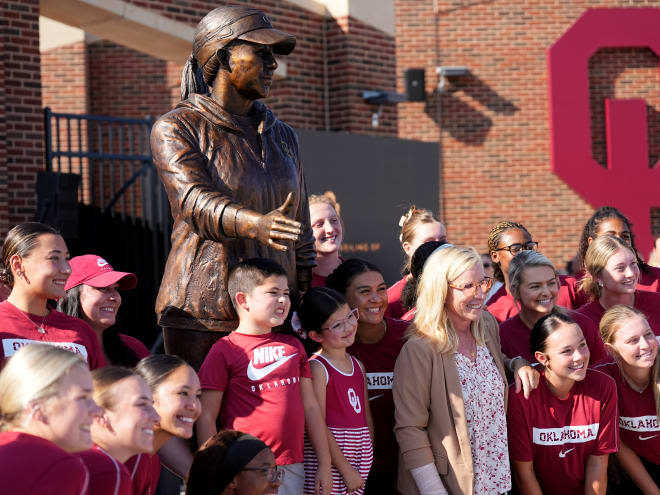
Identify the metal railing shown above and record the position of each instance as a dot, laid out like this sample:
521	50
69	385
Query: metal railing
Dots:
112	155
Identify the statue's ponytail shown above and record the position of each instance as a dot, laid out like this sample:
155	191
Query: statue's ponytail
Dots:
191	79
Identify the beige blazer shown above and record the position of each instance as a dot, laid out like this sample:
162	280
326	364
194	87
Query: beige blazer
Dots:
430	414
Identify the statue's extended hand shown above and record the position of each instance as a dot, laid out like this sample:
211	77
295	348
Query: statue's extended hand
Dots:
276	226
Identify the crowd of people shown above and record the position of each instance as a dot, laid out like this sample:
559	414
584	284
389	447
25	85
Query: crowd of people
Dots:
474	374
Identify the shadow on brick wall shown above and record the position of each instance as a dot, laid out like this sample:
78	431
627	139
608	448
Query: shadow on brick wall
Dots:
461	113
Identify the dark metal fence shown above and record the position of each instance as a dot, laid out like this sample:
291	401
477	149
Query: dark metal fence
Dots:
123	213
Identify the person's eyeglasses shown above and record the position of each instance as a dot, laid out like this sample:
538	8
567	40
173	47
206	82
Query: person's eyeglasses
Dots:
339	327
516	248
471	288
272	474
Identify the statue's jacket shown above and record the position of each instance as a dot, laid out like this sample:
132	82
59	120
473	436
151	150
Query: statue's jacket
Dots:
209	169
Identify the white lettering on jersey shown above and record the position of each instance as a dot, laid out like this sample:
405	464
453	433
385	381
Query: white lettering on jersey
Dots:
354	400
567	434
268	354
10	346
639	423
256	374
380	381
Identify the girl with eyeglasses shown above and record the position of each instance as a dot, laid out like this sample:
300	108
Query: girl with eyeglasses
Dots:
340	387
378	341
607	220
506	240
561	436
534	285
636	371
450	387
611	277
234	463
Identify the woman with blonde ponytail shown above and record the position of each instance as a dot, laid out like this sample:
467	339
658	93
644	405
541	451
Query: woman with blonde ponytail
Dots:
46	411
636	371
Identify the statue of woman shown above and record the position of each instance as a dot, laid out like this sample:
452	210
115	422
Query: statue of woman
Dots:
233	176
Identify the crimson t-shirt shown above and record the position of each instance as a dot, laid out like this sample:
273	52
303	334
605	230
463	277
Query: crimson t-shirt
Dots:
138	348
107	476
18	328
259	376
378	360
145	473
514	336
648	281
36	466
558	436
646	302
638	420
395	307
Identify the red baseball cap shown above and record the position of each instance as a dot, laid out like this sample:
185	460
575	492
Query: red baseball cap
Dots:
93	270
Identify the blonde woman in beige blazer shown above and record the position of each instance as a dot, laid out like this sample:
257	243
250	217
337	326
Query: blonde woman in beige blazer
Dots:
453	350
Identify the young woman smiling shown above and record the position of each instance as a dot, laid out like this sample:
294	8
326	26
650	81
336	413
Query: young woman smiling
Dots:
35	264
176	392
505	241
125	429
607	220
561	436
636	371
92	294
418	226
611	278
377	344
46	411
534	285
328	232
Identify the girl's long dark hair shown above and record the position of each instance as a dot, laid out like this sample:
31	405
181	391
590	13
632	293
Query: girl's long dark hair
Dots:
119	354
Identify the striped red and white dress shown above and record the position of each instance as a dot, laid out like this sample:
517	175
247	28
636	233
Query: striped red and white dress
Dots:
346	418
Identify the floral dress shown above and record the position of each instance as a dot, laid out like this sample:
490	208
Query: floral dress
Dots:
483	395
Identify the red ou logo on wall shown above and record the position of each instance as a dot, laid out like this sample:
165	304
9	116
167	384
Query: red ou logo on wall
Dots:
629	182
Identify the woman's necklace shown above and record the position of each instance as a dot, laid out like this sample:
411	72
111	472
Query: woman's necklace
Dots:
471	350
40	328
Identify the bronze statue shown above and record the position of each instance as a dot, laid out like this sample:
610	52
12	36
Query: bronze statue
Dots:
233	176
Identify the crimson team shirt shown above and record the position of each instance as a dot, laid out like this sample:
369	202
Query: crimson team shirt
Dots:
514	336
395	307
61	330
35	466
638	421
646	302
107	476
144	470
259	376
648	281
378	360
558	436
502	305
138	348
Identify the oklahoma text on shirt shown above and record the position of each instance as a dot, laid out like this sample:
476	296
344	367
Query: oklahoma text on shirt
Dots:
567	434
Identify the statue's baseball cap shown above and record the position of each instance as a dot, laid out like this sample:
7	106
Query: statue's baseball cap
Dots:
93	270
226	24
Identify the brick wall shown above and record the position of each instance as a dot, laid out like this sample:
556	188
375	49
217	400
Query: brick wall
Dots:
123	82
64	78
21	106
494	122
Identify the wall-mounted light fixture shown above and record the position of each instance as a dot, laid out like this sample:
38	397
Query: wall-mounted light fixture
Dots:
380	98
446	72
